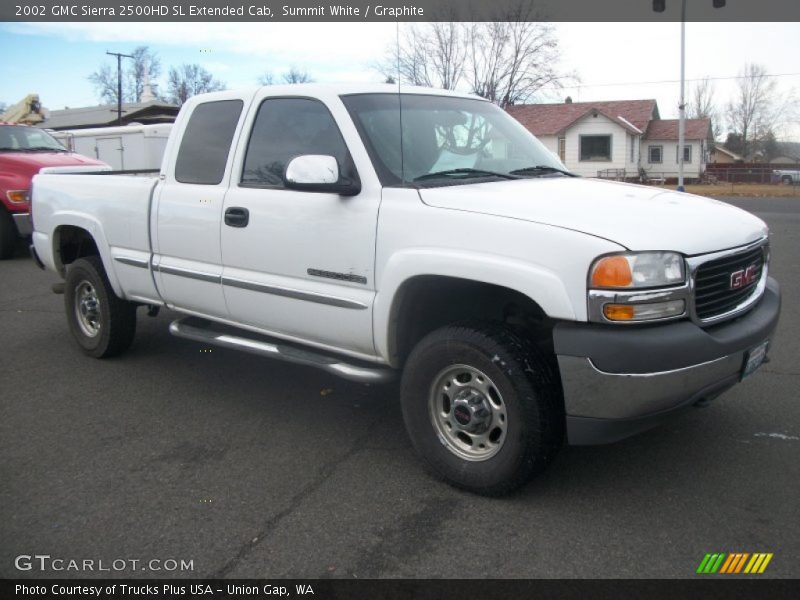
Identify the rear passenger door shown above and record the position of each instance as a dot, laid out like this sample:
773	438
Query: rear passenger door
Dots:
186	220
302	266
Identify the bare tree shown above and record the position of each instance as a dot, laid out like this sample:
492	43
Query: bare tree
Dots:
430	54
507	60
701	103
702	106
104	79
143	61
187	80
266	79
295	75
753	110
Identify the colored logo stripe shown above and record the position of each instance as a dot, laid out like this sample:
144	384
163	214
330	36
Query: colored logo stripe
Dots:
734	563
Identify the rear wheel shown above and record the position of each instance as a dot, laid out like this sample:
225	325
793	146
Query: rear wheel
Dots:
787	179
8	235
102	323
482	407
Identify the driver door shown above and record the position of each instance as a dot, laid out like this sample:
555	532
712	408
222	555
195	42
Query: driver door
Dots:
298	264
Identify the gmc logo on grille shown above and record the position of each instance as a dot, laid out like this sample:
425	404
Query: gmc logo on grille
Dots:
743	277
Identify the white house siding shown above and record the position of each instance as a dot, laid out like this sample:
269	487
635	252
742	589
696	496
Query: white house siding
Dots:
669	166
551	141
598	125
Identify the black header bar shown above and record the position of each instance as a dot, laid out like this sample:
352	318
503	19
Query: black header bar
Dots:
396	10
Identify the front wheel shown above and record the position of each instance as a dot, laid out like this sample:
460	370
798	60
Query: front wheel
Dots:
787	179
102	323
482	407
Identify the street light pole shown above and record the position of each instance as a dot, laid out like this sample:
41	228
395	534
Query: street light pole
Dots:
119	82
660	6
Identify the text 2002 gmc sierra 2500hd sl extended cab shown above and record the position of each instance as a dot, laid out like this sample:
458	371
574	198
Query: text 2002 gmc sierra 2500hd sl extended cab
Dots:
520	303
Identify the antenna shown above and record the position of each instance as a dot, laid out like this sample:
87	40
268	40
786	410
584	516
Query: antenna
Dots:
400	108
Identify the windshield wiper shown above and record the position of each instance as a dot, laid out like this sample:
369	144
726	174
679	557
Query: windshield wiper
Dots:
540	169
43	149
465	173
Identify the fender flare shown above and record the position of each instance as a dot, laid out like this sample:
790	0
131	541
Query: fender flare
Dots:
539	284
93	227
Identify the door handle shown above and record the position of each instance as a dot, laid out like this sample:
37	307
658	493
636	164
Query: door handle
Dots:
236	216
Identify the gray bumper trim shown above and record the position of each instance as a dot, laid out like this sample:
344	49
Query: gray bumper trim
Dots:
24	223
589	392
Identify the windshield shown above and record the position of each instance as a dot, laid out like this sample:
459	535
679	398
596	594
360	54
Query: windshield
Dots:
17	138
446	140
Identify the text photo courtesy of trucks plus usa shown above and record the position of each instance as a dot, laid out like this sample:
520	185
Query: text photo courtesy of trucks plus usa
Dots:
379	320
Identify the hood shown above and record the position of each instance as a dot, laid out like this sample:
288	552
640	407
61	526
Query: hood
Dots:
28	163
634	216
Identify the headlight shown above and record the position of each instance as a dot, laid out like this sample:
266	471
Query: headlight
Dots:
637	287
637	270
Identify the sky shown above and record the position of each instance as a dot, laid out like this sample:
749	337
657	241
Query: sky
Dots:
55	59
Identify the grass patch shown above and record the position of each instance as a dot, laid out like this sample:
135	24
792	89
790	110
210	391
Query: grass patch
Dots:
749	190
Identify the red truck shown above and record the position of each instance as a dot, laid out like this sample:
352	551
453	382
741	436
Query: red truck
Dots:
24	151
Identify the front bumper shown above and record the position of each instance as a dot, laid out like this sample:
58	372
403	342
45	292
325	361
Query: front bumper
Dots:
620	381
23	223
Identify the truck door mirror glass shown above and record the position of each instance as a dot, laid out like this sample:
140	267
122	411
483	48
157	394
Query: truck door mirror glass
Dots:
318	173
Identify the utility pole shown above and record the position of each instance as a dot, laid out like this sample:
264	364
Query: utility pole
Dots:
119	82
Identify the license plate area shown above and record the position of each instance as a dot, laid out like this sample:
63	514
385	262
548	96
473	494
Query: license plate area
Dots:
754	358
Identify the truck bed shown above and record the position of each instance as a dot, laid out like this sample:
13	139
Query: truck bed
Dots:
121	203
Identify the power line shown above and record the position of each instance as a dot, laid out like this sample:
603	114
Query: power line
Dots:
582	85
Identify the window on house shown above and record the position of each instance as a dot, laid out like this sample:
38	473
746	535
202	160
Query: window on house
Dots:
687	154
562	149
596	148
633	149
655	154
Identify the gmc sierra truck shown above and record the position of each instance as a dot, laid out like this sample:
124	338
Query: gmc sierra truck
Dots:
379	233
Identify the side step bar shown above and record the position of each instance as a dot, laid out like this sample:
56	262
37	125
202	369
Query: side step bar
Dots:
208	332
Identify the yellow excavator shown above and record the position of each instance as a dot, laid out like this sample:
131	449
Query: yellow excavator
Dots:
27	111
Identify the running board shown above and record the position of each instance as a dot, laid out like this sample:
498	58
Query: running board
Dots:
208	332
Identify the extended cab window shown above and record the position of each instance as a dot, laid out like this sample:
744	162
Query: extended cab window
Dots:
288	127
207	141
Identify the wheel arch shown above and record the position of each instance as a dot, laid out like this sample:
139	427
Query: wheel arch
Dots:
73	239
414	300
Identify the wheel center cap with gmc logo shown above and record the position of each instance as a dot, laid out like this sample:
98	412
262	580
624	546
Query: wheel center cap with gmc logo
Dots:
471	411
462	414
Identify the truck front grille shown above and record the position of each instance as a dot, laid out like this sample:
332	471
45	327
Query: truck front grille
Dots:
715	281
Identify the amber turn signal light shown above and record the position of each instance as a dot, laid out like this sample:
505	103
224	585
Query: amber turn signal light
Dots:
17	196
619	312
612	271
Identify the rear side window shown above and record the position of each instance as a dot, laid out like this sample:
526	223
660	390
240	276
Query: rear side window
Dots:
288	127
207	142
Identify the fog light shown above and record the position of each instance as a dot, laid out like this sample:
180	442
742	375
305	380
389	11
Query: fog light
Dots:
644	312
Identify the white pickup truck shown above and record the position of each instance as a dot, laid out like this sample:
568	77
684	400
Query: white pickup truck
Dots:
425	234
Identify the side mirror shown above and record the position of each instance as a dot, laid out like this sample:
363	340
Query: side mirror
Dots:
318	173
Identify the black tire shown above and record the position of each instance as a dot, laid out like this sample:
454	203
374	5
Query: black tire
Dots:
525	385
787	179
8	235
115	319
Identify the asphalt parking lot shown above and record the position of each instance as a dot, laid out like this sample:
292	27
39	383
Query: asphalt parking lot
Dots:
253	468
